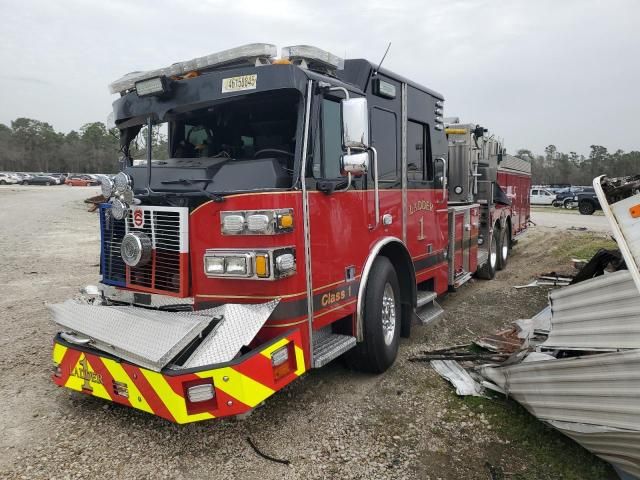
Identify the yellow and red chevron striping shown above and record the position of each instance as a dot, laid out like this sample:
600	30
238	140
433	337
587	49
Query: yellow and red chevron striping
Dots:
239	386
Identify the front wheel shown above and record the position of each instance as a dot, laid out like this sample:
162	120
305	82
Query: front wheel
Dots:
585	207
2	182
381	320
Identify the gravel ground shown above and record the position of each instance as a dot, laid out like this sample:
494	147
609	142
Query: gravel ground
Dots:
551	217
406	423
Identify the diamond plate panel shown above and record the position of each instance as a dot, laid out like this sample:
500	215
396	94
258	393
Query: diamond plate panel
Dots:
148	338
238	328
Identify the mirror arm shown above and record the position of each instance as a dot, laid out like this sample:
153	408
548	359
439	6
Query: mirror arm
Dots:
341	89
348	184
375	188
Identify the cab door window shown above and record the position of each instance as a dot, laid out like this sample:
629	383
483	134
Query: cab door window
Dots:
419	159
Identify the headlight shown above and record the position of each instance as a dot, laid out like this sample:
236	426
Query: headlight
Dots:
285	264
258	223
228	264
237	265
232	224
106	185
258	265
121	182
119	209
261	222
214	265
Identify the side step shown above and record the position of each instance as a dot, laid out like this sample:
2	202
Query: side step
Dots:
327	346
428	310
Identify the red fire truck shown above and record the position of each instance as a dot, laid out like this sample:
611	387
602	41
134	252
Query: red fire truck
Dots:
295	210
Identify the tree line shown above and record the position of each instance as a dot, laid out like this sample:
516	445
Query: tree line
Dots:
555	167
29	145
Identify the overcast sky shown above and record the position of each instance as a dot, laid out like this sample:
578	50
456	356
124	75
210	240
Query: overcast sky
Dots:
534	72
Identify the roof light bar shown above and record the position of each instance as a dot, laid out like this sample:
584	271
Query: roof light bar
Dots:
301	54
248	53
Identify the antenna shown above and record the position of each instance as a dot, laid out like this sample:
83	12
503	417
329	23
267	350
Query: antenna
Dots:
375	72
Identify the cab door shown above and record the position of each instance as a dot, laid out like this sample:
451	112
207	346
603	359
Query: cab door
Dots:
426	204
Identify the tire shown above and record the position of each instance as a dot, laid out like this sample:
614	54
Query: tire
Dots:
585	207
567	203
47	183
504	248
381	320
2	182
556	203
488	270
25	182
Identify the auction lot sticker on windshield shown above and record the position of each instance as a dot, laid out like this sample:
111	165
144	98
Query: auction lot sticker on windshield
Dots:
235	84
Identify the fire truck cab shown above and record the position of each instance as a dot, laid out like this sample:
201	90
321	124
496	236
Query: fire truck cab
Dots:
299	208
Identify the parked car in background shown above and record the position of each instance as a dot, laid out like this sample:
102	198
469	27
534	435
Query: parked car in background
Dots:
22	176
587	202
8	179
80	181
60	177
41	179
565	197
541	196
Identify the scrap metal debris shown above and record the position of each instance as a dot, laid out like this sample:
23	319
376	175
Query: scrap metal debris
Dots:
574	366
458	376
95	202
548	280
505	341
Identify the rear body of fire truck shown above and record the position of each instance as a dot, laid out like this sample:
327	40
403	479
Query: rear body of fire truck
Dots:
482	173
299	212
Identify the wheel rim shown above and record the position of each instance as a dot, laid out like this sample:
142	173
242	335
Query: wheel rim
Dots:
493	257
388	314
505	252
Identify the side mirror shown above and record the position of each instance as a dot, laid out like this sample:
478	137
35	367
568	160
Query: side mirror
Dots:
355	164
355	123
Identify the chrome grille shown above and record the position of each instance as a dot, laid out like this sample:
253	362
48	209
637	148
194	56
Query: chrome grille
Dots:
167	229
112	231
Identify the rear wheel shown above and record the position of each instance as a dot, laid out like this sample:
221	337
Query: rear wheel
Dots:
504	247
47	183
585	207
381	320
2	182
488	270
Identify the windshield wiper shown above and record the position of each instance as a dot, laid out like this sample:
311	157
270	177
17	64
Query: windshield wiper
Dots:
190	181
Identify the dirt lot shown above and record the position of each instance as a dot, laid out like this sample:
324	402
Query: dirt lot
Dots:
552	217
331	423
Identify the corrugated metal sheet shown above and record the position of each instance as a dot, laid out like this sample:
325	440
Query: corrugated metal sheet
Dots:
601	389
601	313
616	446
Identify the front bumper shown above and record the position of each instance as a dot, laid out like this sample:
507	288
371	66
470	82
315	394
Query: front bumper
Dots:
239	385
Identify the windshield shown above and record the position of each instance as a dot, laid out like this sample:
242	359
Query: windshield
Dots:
242	144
